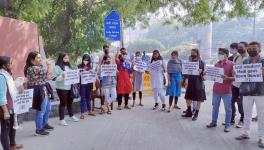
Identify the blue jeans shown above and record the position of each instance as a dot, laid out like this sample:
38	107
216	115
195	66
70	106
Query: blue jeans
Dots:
42	116
227	99
85	93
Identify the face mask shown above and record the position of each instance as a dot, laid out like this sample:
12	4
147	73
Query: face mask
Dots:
240	50
252	53
106	52
193	56
85	62
138	58
221	57
125	57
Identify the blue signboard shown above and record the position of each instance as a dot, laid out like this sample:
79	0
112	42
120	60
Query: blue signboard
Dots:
112	27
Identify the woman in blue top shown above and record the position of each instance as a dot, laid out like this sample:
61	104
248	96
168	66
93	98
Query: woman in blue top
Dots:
174	79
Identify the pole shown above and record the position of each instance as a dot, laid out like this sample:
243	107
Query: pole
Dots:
122	32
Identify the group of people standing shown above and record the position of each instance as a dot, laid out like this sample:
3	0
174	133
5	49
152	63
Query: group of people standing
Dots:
119	86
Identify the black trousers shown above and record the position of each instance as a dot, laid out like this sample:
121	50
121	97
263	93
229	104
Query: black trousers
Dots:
139	93
237	98
171	100
8	134
119	98
65	100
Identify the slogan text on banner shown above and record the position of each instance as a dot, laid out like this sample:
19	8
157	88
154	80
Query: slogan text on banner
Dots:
88	77
108	70
248	73
214	74
72	77
23	101
190	68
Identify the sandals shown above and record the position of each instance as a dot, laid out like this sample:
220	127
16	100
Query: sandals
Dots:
16	146
140	105
109	112
82	117
242	137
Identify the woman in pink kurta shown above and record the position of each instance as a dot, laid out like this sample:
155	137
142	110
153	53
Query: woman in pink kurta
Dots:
124	86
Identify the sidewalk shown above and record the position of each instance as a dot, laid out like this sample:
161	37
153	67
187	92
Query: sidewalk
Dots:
139	129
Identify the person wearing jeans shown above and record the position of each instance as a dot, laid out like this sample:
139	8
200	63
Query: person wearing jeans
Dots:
37	75
223	90
43	115
86	89
254	94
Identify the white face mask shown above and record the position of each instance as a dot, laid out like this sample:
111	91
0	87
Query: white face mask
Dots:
221	57
85	62
138	58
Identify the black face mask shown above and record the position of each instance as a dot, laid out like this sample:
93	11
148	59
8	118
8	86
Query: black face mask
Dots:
240	50
66	63
252	53
106	52
193	56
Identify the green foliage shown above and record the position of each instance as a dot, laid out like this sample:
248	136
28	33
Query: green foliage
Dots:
76	26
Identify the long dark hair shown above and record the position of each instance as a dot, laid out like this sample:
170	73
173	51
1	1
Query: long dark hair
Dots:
29	62
159	58
60	62
4	61
88	58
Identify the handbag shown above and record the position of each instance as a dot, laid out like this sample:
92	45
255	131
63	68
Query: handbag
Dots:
75	91
249	89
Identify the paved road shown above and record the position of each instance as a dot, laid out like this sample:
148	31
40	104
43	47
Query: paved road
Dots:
138	129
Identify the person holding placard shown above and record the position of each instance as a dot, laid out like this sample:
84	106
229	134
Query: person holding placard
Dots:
174	78
37	76
86	89
8	91
63	90
157	79
137	80
223	90
253	92
195	87
236	97
124	86
108	87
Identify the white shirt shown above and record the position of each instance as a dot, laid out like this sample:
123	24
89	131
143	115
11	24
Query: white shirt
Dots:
157	76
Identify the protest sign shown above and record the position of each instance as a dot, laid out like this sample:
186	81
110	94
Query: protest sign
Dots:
140	66
190	68
88	77
154	66
248	73
23	101
72	77
108	70
214	74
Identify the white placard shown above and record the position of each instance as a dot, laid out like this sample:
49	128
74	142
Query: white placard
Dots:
72	77
140	66
88	77
154	66
108	70
23	101
248	73
214	74
190	68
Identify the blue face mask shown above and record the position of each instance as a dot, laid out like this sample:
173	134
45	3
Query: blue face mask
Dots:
221	57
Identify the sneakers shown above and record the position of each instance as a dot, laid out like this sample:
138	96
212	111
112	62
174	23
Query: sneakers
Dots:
240	124
211	125
156	106
242	137
127	107
63	123
163	107
73	119
48	127
261	143
41	133
169	109
195	116
227	129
